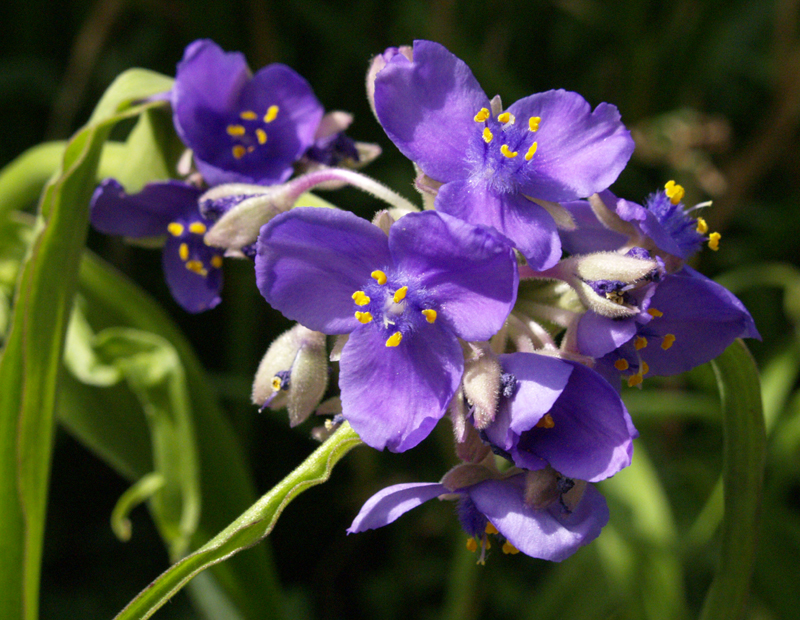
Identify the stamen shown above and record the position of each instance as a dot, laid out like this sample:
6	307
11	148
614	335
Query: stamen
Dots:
430	315
363	317
546	421
634	380
239	151
668	341
508	548
621	365
472	545
400	294
655	313
197	267
183	251
216	261
235	130
504	117
491	529
505	151
713	240
674	192
394	339
276	383
644	368
379	276
482	115
531	151
640	343
198	228
272	112
248	115
533	123
487	135
175	229
361	298
702	227
261	135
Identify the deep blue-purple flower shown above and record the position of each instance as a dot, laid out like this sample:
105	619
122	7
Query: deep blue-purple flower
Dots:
549	146
192	269
242	128
404	299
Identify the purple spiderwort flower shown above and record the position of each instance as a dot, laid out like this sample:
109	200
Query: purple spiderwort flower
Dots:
405	300
192	269
549	146
552	528
242	128
560	413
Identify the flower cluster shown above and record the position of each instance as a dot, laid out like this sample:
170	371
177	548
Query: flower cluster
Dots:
516	303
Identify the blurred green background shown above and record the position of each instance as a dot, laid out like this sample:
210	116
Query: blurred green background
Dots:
711	90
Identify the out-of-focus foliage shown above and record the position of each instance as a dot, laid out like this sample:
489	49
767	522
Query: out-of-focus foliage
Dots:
711	90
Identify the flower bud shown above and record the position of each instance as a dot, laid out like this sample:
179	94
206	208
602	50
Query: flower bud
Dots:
481	383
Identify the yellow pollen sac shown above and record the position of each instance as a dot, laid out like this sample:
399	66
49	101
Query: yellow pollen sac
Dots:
261	136
272	112
546	421
674	192
491	529
668	341
634	380
533	123
276	383
508	153
430	315
235	130
183	251
394	339
379	277
504	117
216	261
363	317
248	115
702	227
508	548
472	545
400	294
198	228
482	115
655	313
640	343
175	229
238	151
361	298
644	369
713	241
197	267
487	135
531	151
621	365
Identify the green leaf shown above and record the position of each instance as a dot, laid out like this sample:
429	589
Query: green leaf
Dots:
22	180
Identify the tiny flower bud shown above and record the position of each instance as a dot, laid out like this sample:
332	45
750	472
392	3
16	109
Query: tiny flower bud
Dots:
481	383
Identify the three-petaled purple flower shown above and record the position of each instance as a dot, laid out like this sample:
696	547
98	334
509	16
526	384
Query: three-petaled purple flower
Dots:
192	269
242	128
405	300
549	146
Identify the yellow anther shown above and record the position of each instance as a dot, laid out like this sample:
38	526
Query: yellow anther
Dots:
276	383
363	317
248	115
472	545
482	115
505	151
487	135
713	241
216	261
175	229
634	380
198	228
668	341
400	294
261	136
361	298
546	421
702	227
394	339
235	130
491	529
531	151
674	192
508	548
272	112
533	123
430	315
655	313
486	544
239	151
644	368
379	276
183	251
640	343
197	267
504	117
621	365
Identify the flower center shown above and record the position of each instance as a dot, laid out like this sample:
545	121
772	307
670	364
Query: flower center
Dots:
250	132
197	257
509	145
